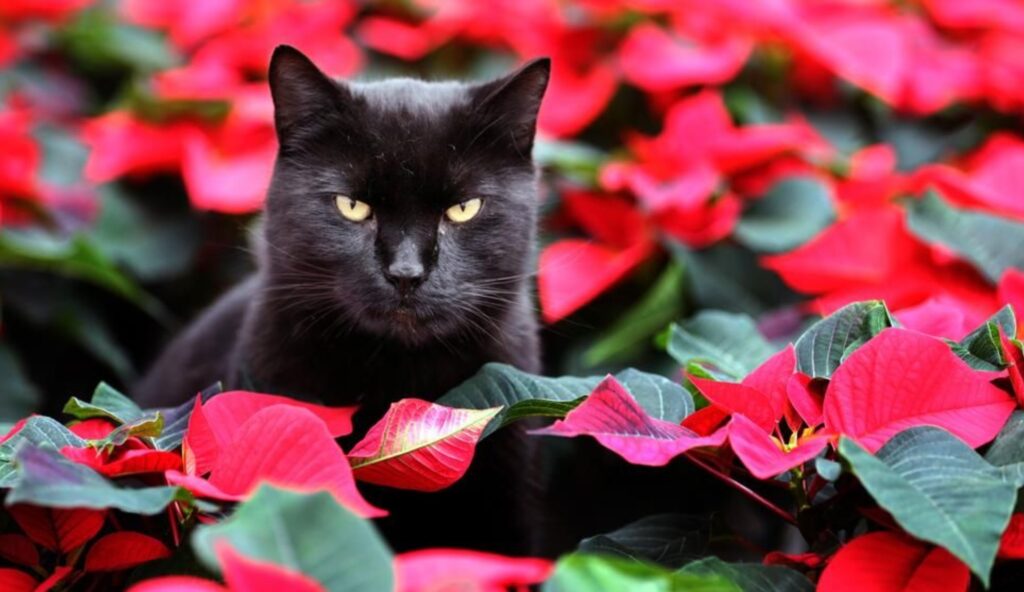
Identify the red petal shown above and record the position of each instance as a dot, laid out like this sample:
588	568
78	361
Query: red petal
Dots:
705	421
612	417
124	550
1012	544
17	548
738	398
870	52
890	562
939	316
213	428
200	487
1015	358
798	561
573	272
95	428
994	178
133	462
250	575
805	400
771	378
290	447
177	584
607	218
654	60
458	569
90	457
902	379
397	38
838	258
233	182
14	430
15	580
58	529
419	445
575	98
702	226
761	453
201	446
120	144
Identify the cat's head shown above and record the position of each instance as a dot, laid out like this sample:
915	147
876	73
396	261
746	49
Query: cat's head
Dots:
401	208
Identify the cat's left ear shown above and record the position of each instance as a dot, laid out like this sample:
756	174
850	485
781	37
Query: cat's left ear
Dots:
511	103
301	92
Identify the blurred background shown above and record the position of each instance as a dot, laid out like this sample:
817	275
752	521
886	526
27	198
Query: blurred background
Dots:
776	159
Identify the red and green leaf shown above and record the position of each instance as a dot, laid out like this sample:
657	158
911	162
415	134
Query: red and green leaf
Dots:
420	445
613	418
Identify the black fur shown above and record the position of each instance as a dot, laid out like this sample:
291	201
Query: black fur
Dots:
322	320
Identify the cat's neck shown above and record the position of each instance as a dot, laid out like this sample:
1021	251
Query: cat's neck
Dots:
289	350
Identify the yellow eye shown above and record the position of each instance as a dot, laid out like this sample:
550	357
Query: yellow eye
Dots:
352	209
465	211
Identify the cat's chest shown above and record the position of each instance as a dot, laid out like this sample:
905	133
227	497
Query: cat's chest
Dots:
363	373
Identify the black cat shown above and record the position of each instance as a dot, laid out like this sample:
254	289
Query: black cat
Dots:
395	259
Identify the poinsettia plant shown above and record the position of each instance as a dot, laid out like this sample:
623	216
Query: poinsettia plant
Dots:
896	454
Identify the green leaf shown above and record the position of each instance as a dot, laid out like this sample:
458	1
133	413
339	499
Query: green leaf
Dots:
730	342
574	160
990	242
100	42
670	540
64	155
308	533
144	427
792	212
829	470
74	257
729	277
753	577
109	398
635	328
938	490
501	385
46	478
61	306
982	348
106	402
821	349
1008	447
175	425
18	396
581	572
40	431
539	408
151	247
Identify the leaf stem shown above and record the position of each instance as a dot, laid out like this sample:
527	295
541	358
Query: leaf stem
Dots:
750	493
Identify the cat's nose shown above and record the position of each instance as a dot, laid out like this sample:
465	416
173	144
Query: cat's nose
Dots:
406	270
406	275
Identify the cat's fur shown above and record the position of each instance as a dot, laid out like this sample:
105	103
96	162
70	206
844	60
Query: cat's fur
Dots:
322	319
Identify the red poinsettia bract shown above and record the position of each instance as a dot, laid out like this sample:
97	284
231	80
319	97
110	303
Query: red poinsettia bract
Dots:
241	439
613	417
901	379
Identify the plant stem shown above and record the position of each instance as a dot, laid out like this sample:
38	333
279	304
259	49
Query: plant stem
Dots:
750	493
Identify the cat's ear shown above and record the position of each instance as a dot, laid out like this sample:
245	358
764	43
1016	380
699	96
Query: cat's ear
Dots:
510	104
299	89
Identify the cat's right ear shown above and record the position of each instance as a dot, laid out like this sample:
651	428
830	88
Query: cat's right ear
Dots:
300	91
